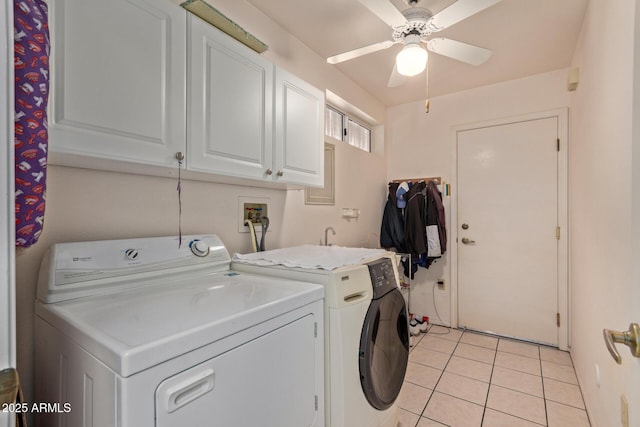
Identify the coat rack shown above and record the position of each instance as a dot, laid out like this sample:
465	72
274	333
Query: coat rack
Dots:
437	180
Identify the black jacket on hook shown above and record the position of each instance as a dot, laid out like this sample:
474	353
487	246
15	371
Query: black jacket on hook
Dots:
414	226
392	229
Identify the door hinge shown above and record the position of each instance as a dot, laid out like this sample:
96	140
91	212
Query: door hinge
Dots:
558	319
316	403
315	329
557	233
558	144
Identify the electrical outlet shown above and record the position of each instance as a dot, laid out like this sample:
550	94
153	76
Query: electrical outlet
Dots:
624	411
441	284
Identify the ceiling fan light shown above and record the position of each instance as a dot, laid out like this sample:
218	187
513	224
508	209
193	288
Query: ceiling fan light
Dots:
411	60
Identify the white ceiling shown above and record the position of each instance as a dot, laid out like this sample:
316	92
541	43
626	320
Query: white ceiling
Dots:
526	36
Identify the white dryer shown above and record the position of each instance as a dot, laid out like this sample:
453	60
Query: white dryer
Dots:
366	327
142	333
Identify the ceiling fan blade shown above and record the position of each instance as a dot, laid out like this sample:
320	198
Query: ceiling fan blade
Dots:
463	52
359	52
396	79
462	9
386	11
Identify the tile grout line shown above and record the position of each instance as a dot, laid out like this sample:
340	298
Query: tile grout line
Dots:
486	399
450	355
544	394
458	342
491	383
439	377
580	389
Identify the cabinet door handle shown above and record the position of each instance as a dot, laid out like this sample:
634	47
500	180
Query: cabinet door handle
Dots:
269	172
180	156
280	173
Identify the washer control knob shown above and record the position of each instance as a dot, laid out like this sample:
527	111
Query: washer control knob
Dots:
199	248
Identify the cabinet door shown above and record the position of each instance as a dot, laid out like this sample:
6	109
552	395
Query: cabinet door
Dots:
299	121
118	72
230	105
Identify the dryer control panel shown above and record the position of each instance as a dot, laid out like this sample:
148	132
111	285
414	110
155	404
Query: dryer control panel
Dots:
383	277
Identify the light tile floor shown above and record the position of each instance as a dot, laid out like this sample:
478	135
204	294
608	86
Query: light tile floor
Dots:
461	378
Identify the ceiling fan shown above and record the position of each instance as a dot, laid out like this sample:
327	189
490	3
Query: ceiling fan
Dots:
412	28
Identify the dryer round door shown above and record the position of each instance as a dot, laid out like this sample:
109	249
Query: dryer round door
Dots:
384	349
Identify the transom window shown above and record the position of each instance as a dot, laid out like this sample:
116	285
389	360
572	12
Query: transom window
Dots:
340	126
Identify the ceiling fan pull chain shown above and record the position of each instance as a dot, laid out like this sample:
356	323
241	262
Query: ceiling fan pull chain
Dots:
426	103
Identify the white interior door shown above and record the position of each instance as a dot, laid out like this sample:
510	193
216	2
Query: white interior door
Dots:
507	249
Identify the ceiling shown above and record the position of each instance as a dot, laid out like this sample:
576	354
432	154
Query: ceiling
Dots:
526	36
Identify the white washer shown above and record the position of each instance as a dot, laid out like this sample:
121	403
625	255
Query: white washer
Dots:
141	333
366	336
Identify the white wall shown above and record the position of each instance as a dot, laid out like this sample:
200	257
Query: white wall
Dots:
360	179
421	145
93	205
634	391
601	178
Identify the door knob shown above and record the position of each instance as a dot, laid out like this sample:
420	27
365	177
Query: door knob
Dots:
629	338
468	241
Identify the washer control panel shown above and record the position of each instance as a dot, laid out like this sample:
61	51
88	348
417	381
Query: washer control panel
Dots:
383	277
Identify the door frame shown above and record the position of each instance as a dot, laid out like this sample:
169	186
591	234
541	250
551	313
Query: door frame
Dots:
561	115
7	251
7	207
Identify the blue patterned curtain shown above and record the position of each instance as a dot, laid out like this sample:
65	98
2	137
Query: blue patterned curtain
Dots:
31	60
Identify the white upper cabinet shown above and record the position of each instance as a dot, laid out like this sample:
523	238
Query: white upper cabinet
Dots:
118	80
230	117
135	82
299	131
248	118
